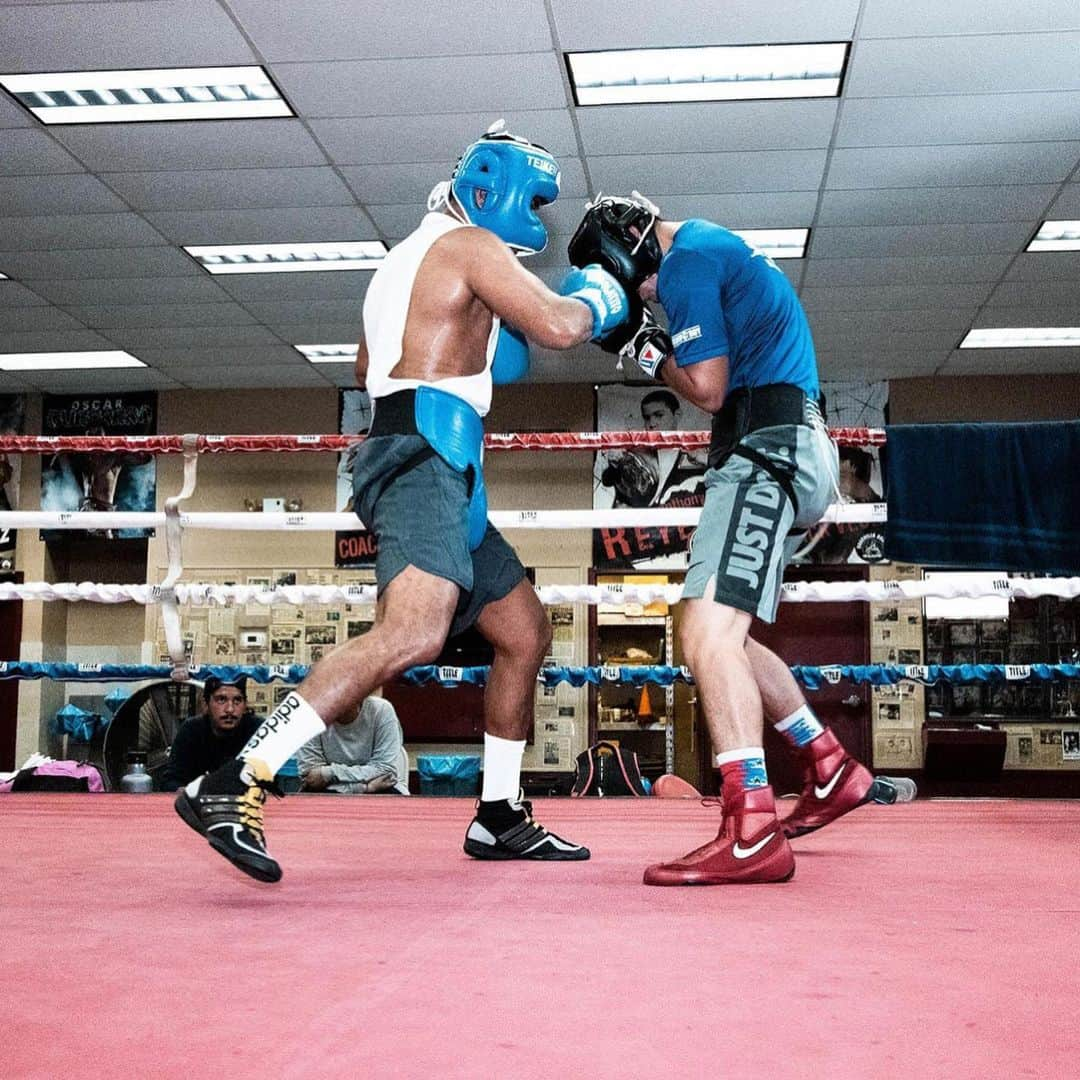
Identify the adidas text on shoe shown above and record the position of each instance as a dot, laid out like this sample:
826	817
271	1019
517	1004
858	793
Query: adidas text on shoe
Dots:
226	806
513	834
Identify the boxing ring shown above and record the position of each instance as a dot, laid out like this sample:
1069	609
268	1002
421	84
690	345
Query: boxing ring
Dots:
385	951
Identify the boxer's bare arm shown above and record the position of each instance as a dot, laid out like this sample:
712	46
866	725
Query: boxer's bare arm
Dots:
703	384
361	364
503	285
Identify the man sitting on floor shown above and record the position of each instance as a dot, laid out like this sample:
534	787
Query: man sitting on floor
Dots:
361	756
208	740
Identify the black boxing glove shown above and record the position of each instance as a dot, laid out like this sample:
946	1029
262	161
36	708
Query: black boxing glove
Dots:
649	346
615	340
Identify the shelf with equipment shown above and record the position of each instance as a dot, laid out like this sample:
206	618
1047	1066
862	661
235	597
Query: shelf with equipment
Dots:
639	719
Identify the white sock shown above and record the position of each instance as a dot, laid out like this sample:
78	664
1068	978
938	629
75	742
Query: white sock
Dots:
744	753
502	768
293	723
801	727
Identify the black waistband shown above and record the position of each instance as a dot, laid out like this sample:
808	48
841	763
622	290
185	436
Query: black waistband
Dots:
750	408
395	414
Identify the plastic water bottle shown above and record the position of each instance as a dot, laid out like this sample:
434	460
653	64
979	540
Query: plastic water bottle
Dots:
136	780
893	789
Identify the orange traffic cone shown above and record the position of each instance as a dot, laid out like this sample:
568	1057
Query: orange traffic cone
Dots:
644	710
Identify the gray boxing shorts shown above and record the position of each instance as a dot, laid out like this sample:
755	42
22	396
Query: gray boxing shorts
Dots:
749	527
420	517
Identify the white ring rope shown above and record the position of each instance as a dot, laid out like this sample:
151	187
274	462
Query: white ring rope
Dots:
617	595
238	521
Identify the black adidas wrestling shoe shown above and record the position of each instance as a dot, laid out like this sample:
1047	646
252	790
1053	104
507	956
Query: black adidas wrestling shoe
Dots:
505	829
227	808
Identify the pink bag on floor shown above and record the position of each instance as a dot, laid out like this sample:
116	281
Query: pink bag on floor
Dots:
56	776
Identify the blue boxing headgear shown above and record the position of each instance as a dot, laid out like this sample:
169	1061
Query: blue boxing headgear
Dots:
516	177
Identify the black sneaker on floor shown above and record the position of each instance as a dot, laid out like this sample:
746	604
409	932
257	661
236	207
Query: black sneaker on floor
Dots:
227	809
506	830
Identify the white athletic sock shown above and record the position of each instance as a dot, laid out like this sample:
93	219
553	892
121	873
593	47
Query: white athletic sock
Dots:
801	727
293	723
502	768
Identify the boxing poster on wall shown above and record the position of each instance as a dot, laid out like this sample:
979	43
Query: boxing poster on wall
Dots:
852	404
12	422
645	477
354	547
117	480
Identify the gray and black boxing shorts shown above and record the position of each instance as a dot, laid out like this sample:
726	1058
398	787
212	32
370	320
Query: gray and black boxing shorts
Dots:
768	485
419	515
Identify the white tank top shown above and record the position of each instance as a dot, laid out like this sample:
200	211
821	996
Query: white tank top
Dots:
386	307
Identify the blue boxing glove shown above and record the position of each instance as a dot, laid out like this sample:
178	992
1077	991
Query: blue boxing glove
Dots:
603	294
511	360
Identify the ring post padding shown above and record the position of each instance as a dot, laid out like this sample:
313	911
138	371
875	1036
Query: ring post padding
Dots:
174	549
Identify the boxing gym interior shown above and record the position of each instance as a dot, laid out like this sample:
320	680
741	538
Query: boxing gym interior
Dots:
195	196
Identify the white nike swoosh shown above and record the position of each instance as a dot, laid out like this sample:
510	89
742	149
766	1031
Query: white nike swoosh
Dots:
236	837
826	791
744	853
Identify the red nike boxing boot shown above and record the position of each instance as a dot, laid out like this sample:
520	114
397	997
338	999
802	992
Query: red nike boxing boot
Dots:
834	784
749	848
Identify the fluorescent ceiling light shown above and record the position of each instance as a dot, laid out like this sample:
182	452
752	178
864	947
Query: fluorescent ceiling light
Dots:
111	97
328	354
1023	337
66	361
289	258
4	277
1056	236
710	73
776	243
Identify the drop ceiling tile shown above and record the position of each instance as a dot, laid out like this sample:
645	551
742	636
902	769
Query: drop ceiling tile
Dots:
885	18
425	85
84	37
62	193
925	269
100	262
927	319
276	142
339	285
164	290
131	316
12	114
997	317
184	337
1042	266
952	166
381	140
1014	362
1036	294
299	311
938	121
609	24
707	127
331	30
747	210
68	231
44	317
14	341
280	225
231	189
970	63
14	294
345	332
1067	204
893	297
926	206
26	152
888	241
105	382
268	356
695	174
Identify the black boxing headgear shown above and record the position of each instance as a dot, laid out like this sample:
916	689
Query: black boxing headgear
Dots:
620	235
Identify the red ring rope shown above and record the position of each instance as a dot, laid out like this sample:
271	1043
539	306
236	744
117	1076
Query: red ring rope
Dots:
231	444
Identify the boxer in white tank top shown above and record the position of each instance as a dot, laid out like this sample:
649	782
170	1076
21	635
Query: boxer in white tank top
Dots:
435	338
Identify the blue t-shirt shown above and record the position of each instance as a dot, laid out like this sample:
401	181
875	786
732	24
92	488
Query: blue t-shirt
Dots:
724	298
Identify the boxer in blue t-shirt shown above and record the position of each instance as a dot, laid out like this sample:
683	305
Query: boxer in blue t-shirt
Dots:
738	346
